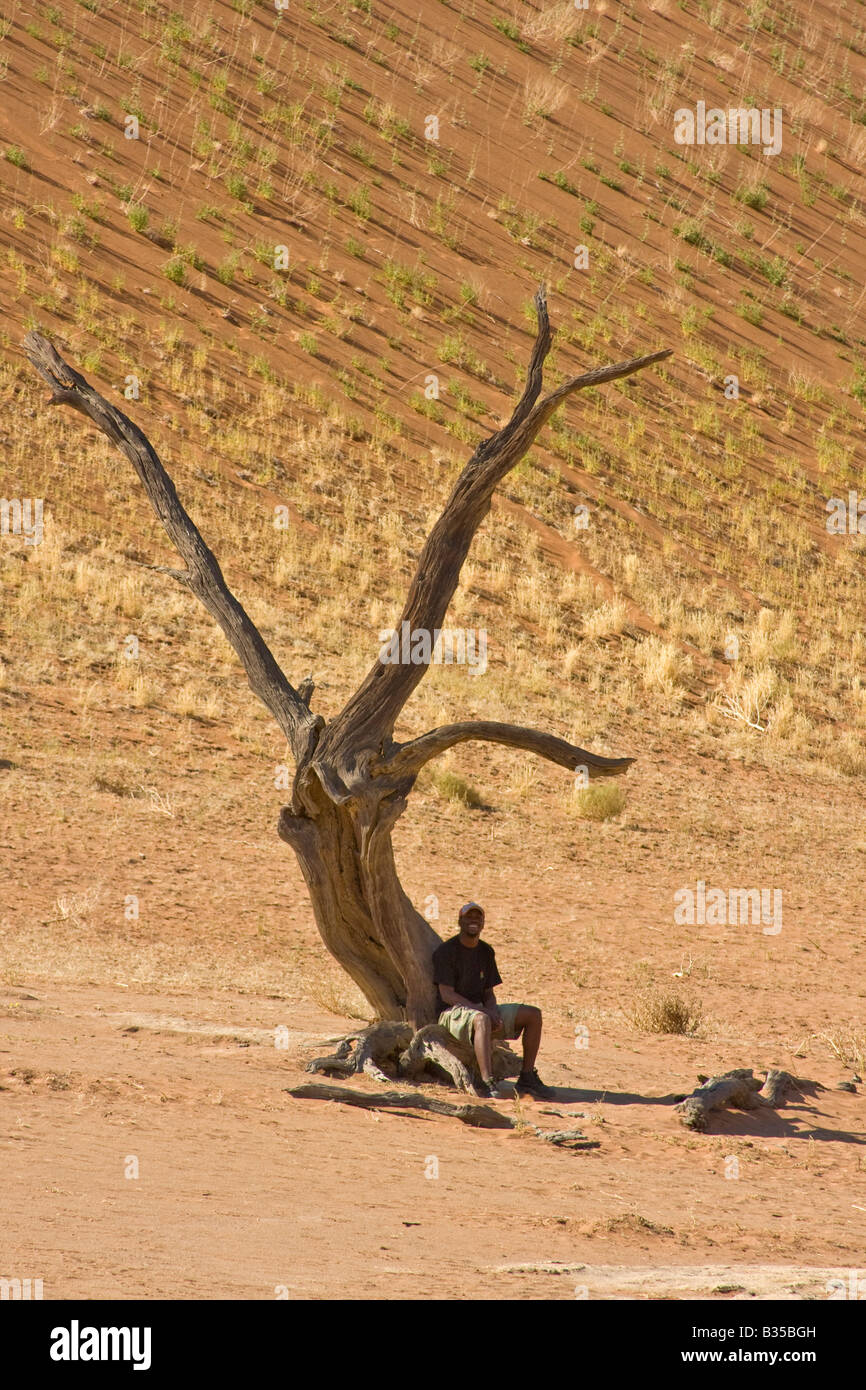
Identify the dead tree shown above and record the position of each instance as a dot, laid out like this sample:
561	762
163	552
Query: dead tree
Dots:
352	778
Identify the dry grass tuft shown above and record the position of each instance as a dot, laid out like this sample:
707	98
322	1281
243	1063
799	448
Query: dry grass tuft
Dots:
450	786
608	620
664	667
656	1010
601	801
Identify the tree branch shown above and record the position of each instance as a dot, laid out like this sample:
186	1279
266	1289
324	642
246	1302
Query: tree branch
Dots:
369	717
412	756
203	575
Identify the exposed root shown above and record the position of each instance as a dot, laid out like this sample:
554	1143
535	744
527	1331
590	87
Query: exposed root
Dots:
388	1050
404	1103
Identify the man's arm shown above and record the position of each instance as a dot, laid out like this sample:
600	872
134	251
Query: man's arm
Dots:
491	1008
452	998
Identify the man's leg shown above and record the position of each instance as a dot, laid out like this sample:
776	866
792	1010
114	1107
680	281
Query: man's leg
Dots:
482	1042
529	1023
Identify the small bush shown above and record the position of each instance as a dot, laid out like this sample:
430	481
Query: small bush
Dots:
236	187
175	270
664	666
227	269
656	1011
600	802
608	620
16	156
753	196
752	313
359	202
452	787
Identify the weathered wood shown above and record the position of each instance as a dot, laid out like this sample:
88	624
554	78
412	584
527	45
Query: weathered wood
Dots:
368	1050
436	1048
479	1116
409	1054
413	755
735	1088
203	575
566	1138
777	1088
352	779
373	710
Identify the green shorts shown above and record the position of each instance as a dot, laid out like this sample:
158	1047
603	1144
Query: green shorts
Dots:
460	1022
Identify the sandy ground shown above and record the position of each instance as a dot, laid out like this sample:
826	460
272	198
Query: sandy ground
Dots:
154	1040
243	1192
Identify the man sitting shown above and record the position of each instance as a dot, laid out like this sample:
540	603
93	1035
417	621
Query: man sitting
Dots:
464	969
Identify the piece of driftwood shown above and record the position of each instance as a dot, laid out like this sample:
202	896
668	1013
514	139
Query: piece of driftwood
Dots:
479	1116
735	1088
777	1088
739	1089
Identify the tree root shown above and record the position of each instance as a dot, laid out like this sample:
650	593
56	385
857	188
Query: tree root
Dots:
566	1138
739	1089
404	1102
396	1048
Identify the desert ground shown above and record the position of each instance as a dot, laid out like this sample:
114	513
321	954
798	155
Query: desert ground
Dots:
156	1040
657	579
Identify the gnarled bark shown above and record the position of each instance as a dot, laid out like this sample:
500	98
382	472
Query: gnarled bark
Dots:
740	1089
352	778
408	1054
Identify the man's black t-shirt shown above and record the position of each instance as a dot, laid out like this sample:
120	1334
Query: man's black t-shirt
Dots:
470	970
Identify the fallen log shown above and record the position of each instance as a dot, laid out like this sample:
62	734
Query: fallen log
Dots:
739	1089
777	1087
735	1088
479	1116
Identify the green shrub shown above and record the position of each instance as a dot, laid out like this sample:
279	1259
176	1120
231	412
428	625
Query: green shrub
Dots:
175	270
452	787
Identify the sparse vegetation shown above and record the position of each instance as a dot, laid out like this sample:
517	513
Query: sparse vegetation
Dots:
600	801
450	786
656	1010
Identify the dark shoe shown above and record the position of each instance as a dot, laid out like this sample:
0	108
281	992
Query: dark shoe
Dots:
488	1090
529	1083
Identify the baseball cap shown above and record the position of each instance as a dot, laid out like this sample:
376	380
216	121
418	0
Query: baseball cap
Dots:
469	907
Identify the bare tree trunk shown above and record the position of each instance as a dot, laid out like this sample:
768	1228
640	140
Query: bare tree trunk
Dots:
352	779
